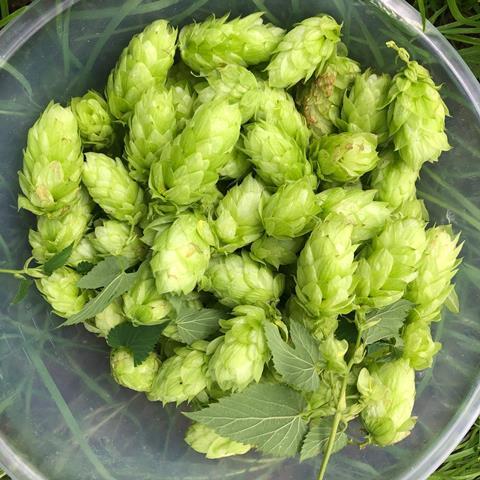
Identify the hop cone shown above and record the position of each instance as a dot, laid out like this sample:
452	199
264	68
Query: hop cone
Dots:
291	211
418	345
151	127
241	354
239	280
277	158
182	377
416	114
388	391
204	440
237	165
344	157
321	98
52	163
216	42
114	238
143	63
394	180
364	108
276	251
183	97
303	49
109	184
390	263
142	304
61	292
437	267
237	217
234	83
358	208
189	167
55	234
276	107
83	252
325	268
104	321
94	120
125	373
181	255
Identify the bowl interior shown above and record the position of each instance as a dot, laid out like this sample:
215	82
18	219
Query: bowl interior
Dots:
61	414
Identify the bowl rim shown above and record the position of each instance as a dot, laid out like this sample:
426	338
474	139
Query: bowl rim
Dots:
40	12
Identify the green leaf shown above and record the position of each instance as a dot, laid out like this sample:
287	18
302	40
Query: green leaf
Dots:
296	365
139	340
118	286
84	267
268	416
58	260
317	437
198	324
385	322
22	291
103	273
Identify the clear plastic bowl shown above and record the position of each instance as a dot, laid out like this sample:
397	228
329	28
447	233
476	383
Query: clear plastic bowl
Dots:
61	415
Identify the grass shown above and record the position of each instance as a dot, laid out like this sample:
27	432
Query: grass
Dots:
459	22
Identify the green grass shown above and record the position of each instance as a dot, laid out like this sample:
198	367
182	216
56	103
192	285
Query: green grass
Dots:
459	21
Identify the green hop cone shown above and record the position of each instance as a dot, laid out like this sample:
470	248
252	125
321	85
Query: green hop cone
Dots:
104	321
394	180
277	158
183	97
359	209
325	268
189	167
118	239
413	208
235	83
344	157
143	63
241	354
94	120
217	42
83	252
52	163
418	345
320	99
237	279
151	127
139	378
277	251
142	304
333	354
204	440
364	107
416	114
276	107
55	234
320	326
183	376
390	263
388	391
303	50
109	184
237	217
438	265
237	165
291	211
181	254
61	292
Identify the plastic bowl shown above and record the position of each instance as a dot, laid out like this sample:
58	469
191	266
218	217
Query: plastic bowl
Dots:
61	415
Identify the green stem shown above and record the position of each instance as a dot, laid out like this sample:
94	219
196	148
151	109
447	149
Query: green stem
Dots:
13	272
338	414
